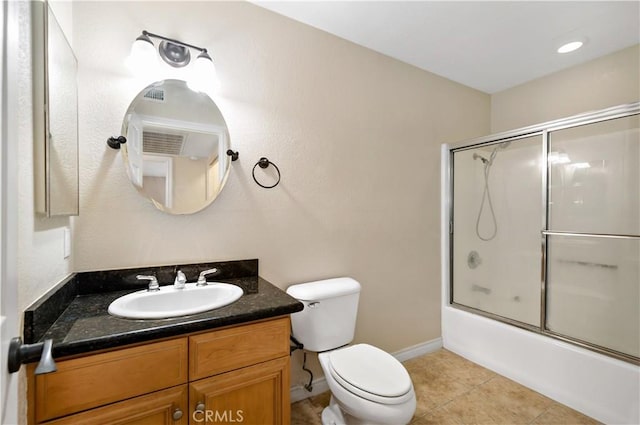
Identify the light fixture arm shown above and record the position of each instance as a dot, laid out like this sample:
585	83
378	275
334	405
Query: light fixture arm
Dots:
172	40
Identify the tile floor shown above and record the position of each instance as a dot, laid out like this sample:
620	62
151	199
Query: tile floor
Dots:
453	390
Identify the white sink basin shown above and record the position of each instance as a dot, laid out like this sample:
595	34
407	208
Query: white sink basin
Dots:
172	302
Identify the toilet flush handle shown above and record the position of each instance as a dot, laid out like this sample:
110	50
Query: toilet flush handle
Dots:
314	304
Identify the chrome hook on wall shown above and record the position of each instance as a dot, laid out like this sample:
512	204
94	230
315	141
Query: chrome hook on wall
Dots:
264	163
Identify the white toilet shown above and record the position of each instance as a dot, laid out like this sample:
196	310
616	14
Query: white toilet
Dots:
368	385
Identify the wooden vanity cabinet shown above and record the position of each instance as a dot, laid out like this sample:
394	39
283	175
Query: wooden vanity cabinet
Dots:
237	374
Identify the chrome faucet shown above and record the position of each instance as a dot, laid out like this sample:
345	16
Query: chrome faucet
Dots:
181	279
202	281
153	284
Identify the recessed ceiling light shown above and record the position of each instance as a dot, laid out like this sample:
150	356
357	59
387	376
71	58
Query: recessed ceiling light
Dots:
570	47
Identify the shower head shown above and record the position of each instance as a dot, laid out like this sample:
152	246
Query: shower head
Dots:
480	157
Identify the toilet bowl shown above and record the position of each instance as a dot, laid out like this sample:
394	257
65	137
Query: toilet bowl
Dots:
368	385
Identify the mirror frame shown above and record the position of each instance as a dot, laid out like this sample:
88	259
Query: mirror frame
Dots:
44	191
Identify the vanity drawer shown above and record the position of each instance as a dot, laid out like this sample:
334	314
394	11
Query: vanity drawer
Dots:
156	408
96	380
220	351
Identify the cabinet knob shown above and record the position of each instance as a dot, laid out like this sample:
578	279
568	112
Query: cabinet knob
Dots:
200	407
177	414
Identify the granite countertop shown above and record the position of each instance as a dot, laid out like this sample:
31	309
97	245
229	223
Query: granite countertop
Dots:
84	325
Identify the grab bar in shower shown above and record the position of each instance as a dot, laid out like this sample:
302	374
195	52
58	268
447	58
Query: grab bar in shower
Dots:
590	235
478	288
589	264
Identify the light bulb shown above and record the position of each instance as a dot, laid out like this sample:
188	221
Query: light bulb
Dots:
203	75
143	58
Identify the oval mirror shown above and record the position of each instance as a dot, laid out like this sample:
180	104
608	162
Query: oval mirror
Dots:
176	147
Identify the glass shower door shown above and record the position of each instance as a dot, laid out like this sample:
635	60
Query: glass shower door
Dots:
497	216
545	229
593	242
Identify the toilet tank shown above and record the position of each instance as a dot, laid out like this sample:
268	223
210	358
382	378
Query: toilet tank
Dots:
328	319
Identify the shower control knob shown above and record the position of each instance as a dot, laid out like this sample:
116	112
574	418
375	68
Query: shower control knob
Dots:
473	259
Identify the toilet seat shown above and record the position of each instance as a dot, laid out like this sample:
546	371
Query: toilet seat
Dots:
371	373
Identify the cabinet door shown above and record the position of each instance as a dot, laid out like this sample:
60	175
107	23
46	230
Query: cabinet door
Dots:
255	395
157	408
97	380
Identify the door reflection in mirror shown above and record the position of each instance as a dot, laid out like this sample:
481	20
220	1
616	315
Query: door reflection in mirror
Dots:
175	153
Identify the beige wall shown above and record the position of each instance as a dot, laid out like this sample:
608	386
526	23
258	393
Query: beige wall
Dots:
356	136
41	261
608	81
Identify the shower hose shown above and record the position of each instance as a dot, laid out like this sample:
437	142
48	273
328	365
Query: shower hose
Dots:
486	198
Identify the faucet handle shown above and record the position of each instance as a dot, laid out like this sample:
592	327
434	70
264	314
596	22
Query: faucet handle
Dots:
153	284
180	280
202	281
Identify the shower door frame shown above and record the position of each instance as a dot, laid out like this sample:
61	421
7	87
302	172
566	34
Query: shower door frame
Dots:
542	130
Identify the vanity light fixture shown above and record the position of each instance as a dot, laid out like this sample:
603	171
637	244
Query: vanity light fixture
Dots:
176	54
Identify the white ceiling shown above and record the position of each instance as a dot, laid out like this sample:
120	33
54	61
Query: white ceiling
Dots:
490	46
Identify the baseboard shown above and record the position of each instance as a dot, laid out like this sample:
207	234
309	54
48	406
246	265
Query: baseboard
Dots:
320	385
418	350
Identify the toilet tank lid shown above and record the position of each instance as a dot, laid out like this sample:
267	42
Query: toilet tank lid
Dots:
323	289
